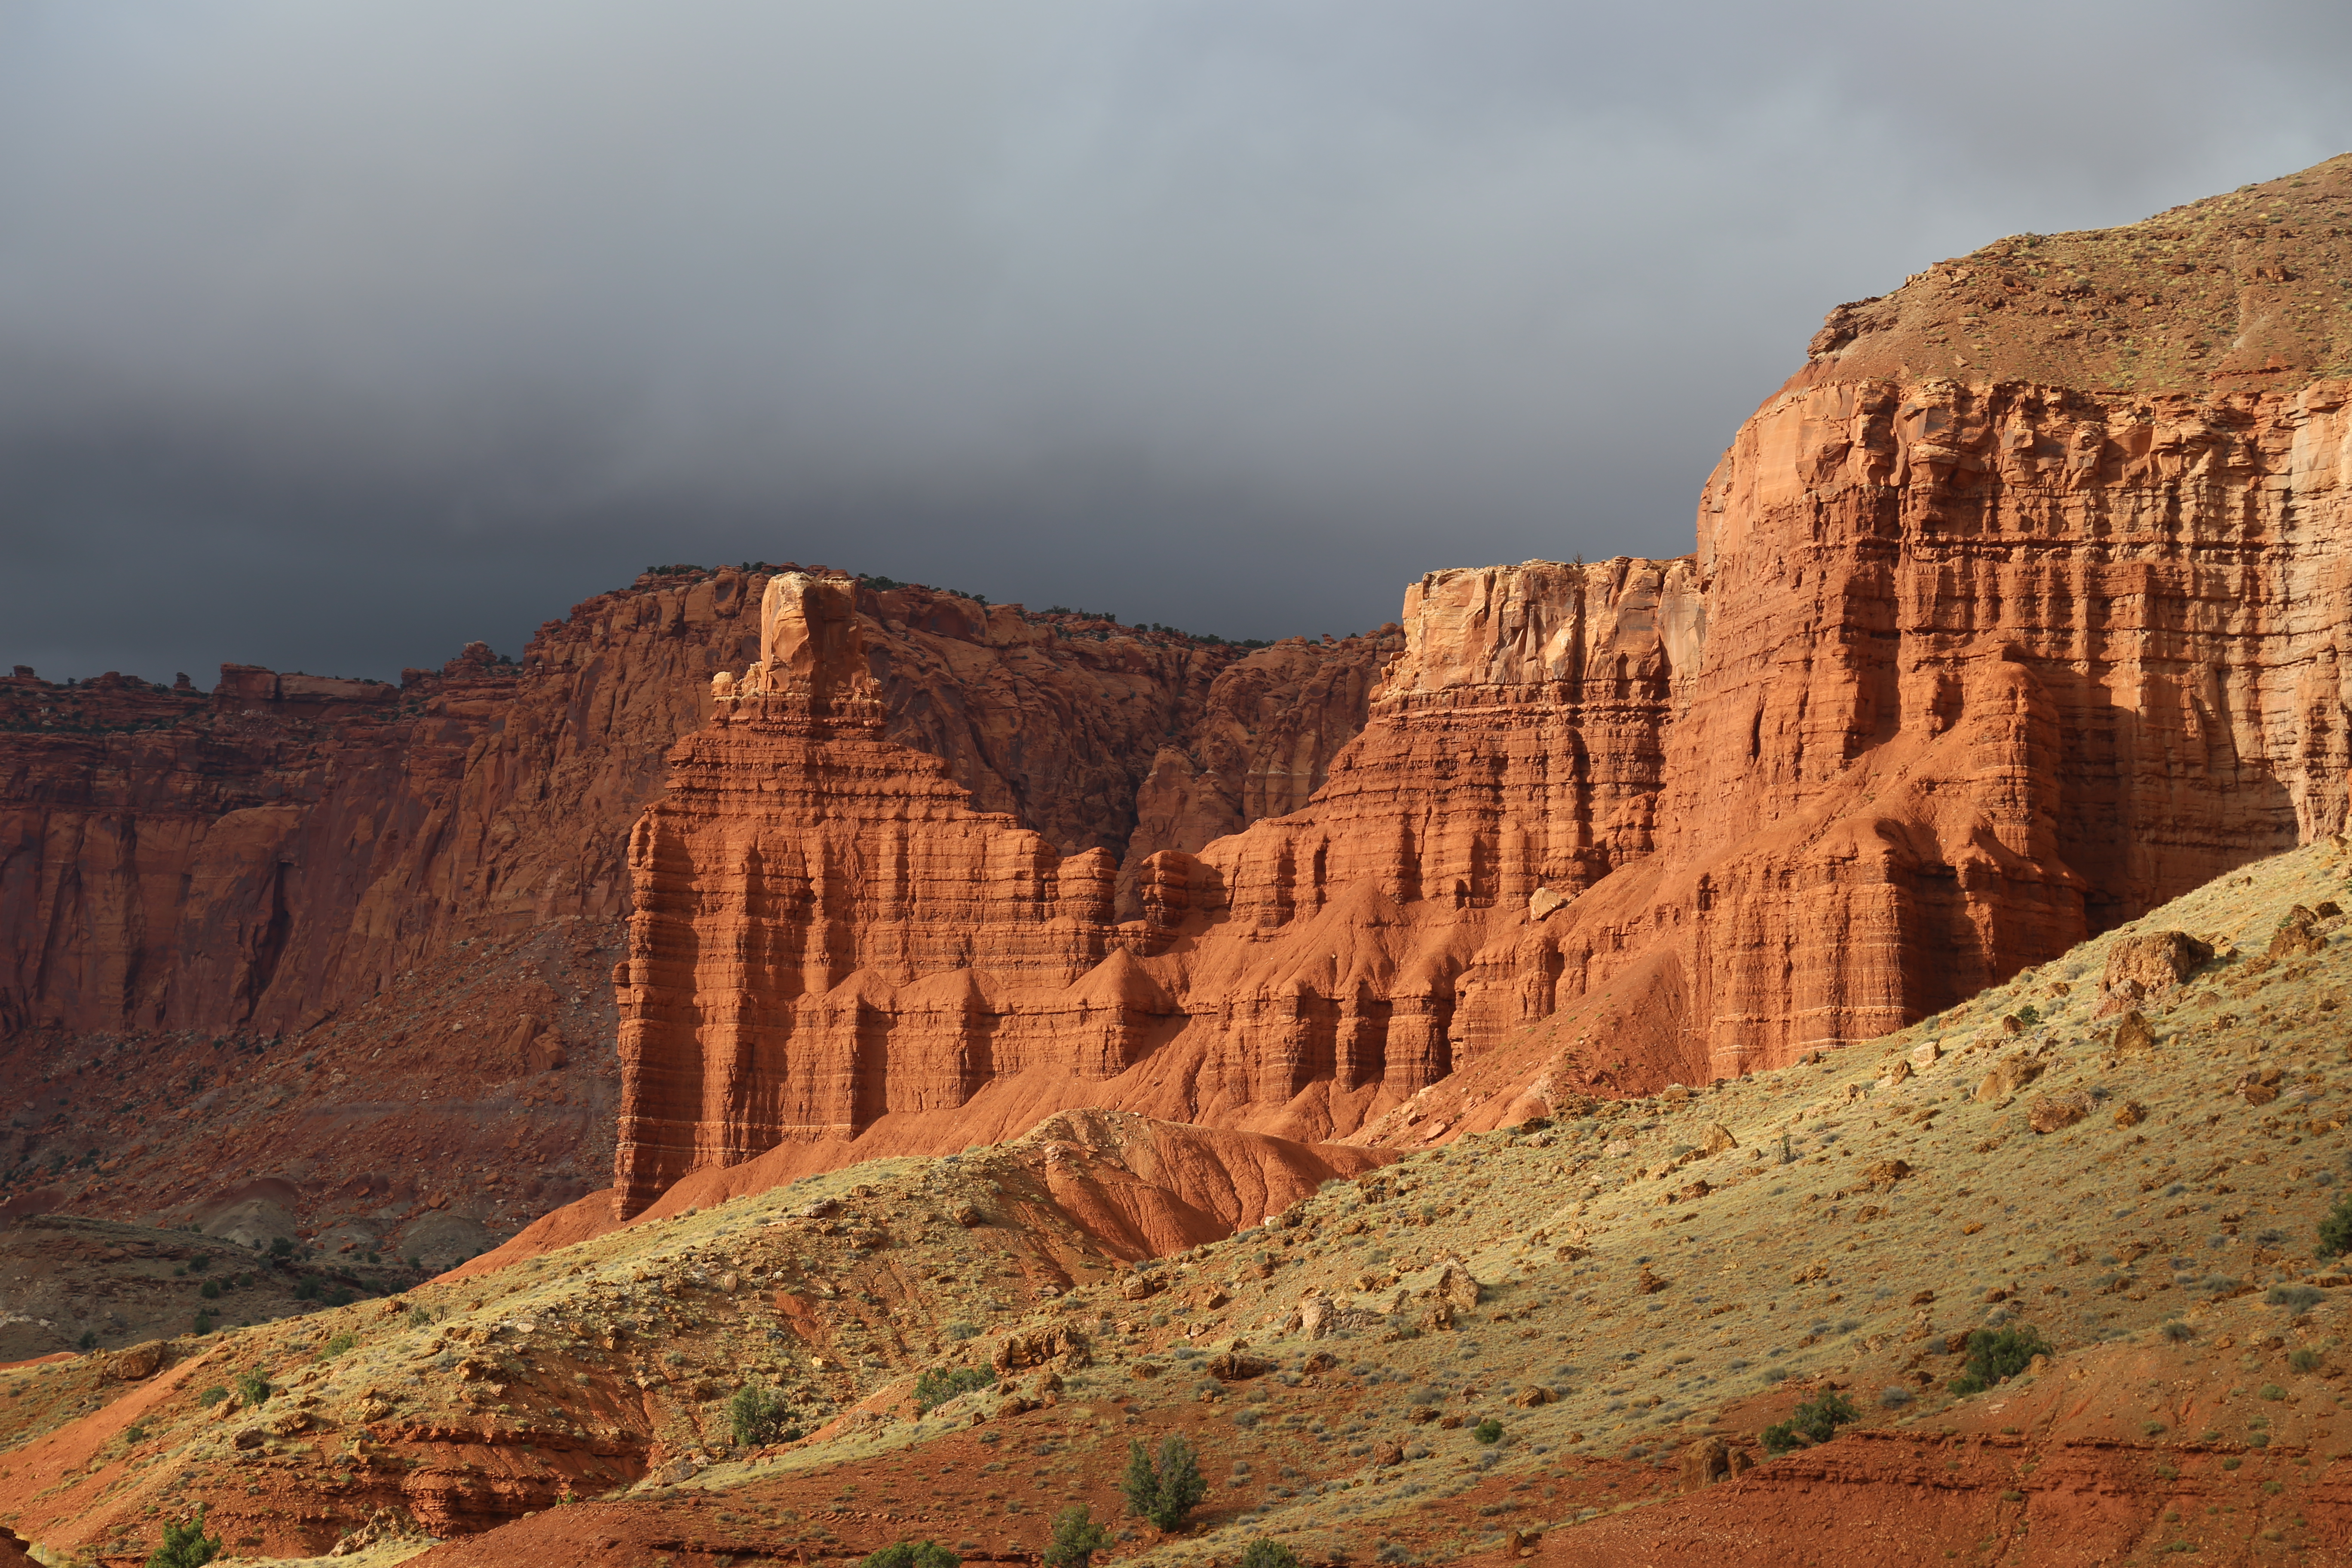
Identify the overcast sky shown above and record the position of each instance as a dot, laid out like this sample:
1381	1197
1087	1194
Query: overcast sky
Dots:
333	335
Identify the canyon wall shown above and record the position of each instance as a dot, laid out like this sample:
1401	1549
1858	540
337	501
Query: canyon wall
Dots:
1970	662
273	852
356	938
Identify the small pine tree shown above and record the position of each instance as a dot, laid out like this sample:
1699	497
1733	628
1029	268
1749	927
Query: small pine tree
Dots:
1995	1354
185	1545
2335	1229
756	1416
1076	1538
1138	1484
1166	1491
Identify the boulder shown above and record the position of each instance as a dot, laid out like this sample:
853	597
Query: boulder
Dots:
1058	1346
2007	1076
2133	1035
2146	965
1456	1287
2049	1112
1704	1462
1238	1366
134	1363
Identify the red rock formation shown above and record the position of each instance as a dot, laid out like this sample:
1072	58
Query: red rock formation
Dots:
366	866
828	939
1963	669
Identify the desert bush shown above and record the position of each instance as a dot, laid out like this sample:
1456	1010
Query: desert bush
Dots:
252	1388
756	1415
212	1396
1895	1396
1998	1353
960	1330
1264	1553
2176	1331
2296	1297
185	1545
912	1554
209	1291
1076	1538
937	1385
2303	1359
2335	1229
1166	1491
337	1346
1487	1432
281	1247
1814	1422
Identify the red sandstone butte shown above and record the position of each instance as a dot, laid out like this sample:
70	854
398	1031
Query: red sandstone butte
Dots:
1986	644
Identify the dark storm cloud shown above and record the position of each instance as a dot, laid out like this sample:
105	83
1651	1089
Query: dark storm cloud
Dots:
333	336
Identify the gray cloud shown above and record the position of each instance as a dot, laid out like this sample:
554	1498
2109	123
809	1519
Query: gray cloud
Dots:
331	337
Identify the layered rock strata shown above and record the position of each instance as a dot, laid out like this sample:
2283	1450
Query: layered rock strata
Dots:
1974	657
829	944
283	848
359	931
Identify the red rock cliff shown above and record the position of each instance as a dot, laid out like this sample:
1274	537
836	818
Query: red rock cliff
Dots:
184	875
2009	619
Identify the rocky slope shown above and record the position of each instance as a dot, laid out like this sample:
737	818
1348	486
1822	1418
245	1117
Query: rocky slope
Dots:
2125	1150
354	939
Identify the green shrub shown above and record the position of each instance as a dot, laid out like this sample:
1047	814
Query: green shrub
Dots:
281	1247
1264	1553
2270	1391
338	1346
2296	1297
185	1545
1814	1422
307	1291
200	1262
1076	1538
418	1318
1489	1432
2335	1229
756	1416
204	1323
212	1396
2176	1332
209	1291
2303	1359
960	1330
89	1340
912	1554
252	1388
1166	1491
1998	1353
937	1385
